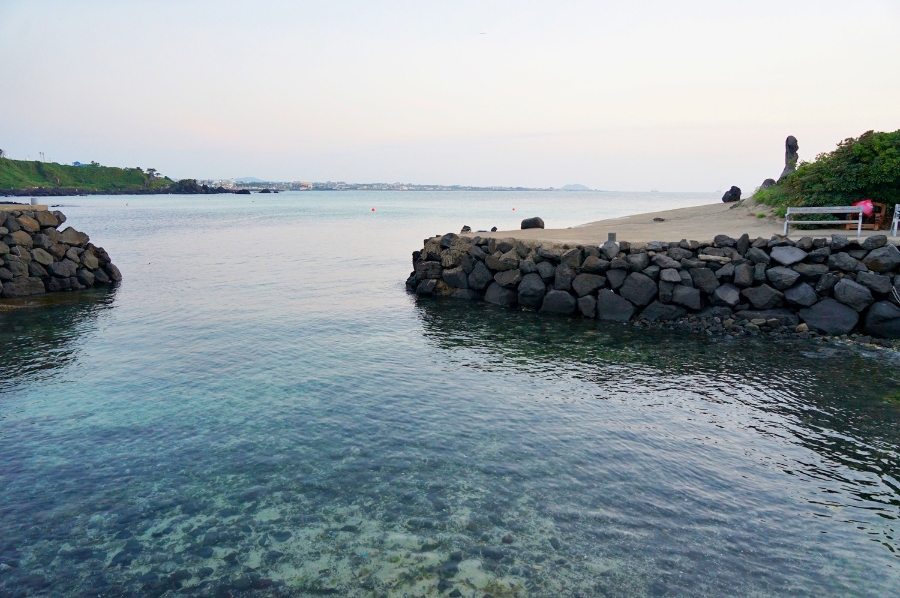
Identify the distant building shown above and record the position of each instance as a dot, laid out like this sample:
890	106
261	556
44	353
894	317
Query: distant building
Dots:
79	164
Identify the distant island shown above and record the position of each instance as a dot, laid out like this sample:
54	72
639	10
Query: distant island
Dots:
36	178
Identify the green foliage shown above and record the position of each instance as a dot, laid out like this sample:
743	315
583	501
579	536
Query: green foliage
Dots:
22	174
867	167
761	215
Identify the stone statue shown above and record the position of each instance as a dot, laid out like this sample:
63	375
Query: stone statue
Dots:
790	156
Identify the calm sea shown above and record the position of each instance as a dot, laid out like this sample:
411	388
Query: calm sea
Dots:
259	409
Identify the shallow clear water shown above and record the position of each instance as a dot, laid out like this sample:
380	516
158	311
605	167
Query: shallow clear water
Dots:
260	409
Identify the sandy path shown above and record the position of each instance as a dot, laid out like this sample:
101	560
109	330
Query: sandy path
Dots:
699	223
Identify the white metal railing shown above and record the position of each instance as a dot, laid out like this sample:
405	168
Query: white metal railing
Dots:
896	222
827	210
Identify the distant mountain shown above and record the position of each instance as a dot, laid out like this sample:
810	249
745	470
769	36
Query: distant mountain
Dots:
249	179
576	188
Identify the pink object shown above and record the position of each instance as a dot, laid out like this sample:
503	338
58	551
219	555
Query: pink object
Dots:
866	205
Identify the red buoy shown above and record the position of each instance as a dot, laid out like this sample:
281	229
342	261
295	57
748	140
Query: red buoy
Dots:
373	209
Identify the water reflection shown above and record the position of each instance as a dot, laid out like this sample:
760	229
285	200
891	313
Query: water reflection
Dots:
40	335
838	401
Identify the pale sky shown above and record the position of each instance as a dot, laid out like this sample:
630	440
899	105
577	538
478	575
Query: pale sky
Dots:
679	96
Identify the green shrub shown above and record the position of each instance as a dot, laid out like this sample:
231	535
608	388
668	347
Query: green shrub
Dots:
867	167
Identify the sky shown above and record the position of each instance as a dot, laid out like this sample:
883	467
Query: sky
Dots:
678	96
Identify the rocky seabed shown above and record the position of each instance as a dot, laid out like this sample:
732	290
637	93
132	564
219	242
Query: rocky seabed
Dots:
809	287
36	257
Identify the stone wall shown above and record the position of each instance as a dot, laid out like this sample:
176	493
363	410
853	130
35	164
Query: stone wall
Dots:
829	286
35	257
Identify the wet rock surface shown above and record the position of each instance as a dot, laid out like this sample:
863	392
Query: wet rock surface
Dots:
36	258
817	281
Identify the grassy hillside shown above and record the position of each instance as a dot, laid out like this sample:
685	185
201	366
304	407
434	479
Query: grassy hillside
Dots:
21	174
865	167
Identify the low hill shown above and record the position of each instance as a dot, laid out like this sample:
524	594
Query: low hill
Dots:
576	188
22	174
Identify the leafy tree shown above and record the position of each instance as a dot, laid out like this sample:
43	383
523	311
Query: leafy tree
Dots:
866	167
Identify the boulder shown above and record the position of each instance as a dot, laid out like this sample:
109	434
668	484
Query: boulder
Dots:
531	291
424	270
594	265
558	302
85	277
508	279
788	256
679	253
826	284
727	295
454	277
113	273
564	277
704	279
726	272
768	183
46	219
4	248
874	242
818	256
830	317
763	297
20	238
839	242
810	272
782	278
446	240
532	223
724	240
639	289
28	224
499	296
802	295
5	274
36	270
616	278
733	194
480	277
100	277
17	267
423	289
74	254
63	269
664	261
845	262
883	259
670	275
609	250
638	262
572	258
743	275
657	311
547	271
42	257
587	305
612	307
586	284
665	291
686	296
853	294
757	256
877	283
23	286
504	261
883	320
70	236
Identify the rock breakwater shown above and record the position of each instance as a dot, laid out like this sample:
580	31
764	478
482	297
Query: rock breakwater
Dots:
36	257
812	286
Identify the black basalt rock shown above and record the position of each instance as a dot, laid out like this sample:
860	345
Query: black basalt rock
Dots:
732	195
535	222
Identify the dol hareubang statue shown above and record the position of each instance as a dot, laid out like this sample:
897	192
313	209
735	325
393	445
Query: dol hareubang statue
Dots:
790	156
